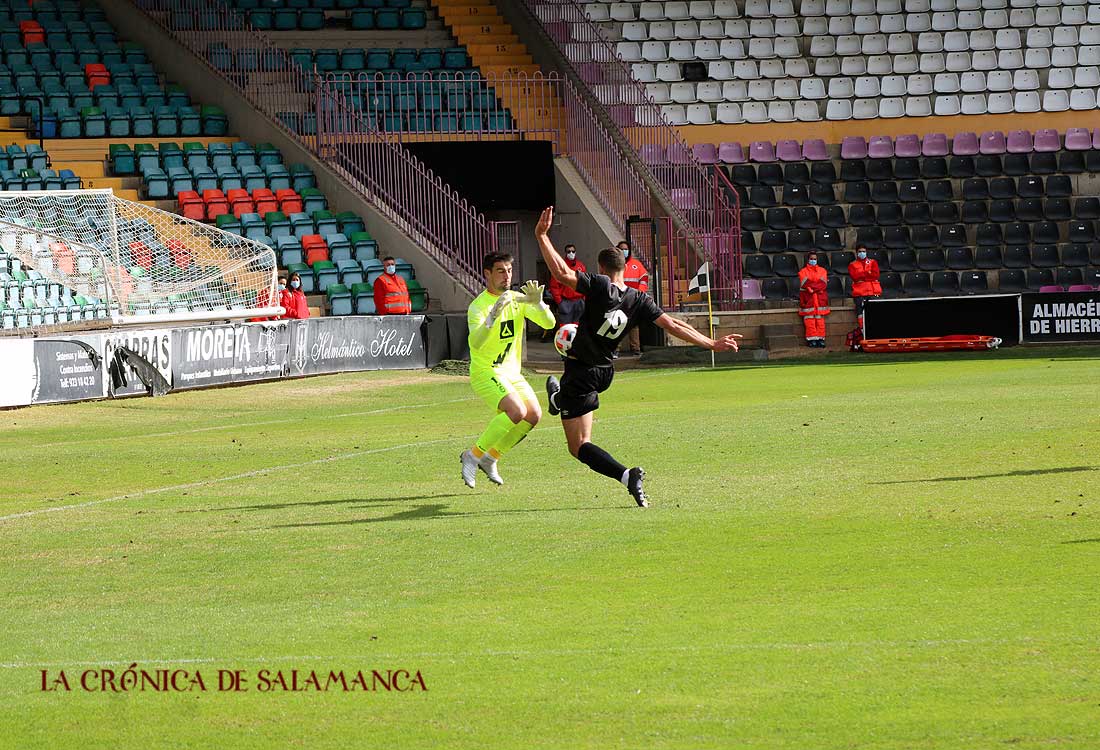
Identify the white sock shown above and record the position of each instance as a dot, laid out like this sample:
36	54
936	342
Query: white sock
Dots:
626	478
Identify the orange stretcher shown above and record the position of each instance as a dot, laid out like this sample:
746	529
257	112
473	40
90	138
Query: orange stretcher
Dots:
956	342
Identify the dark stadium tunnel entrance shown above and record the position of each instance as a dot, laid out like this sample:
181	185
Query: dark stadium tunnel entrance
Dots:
1017	473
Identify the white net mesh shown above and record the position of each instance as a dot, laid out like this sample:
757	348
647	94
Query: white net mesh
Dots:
75	255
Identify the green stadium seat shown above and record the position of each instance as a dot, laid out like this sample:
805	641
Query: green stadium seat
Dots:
339	299
326	274
418	295
362	19
363	296
94	122
301	177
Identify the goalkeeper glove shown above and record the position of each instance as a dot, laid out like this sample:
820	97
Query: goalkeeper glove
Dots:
503	301
532	292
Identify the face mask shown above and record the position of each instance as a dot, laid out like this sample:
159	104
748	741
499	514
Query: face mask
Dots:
571	256
861	255
391	269
295	284
813	261
626	253
282	287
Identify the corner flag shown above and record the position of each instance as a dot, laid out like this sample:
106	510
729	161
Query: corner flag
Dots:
701	282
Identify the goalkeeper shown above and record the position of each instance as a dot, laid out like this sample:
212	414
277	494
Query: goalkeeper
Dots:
496	319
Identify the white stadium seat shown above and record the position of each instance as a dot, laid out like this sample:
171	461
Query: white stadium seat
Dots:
972	82
918	106
822	46
635	31
1027	101
995	19
735	91
674	114
662	31
597	12
1088	54
780	111
969	20
754	112
930	41
681	50
838	7
866	25
1055	101
1037	58
812	88
868	86
891	107
700	114
887	7
709	91
893	85
761	49
918	6
815	26
919	84
853	66
651	11
787	47
839	109
1037	37
760	91
737	29
669	71
676	11
932	63
757	9
958	62
715	28
682	93
1047	17
984	60
746	70
658	93
782	8
900	44
974	104
1065	36
947	83
1021	18
686	29
785	89
729	113
1086	76
865	109
628	51
622	12
841	25
707	49
720	70
894	23
874	44
773	69
1025	80
643	72
1082	99
944	21
807	111
999	80
947	105
726	9
982	39
797	67
841	88
1010	59
906	64
811	8
1008	39
654	51
1090	35
826	66
1059	78
956	41
701	9
917	23
732	49
1000	103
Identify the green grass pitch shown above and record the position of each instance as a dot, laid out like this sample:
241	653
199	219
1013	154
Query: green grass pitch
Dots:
851	553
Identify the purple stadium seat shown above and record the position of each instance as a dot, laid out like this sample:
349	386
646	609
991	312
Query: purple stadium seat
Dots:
762	151
653	153
1096	138
1081	288
788	150
935	144
750	289
964	144
731	153
1019	142
992	142
705	153
907	146
684	199
814	149
880	147
853	147
679	154
1078	139
1047	140
1050	288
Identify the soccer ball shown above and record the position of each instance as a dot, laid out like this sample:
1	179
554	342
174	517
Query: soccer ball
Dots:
563	339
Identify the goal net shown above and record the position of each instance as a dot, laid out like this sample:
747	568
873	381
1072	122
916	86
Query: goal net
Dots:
75	255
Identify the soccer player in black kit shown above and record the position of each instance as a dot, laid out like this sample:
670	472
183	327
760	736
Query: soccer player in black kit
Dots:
610	310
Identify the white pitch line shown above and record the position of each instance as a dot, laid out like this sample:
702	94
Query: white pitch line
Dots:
608	650
230	478
237	425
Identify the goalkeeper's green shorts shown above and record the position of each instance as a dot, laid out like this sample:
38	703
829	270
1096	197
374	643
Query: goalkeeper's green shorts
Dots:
492	386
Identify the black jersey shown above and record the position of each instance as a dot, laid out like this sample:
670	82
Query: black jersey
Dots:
609	312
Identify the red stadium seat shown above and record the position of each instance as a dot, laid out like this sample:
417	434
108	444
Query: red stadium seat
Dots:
216	204
181	256
63	257
141	254
95	74
32	33
241	202
316	248
190	205
289	201
264	200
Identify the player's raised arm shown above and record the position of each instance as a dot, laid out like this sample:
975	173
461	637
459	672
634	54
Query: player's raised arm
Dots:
558	268
684	332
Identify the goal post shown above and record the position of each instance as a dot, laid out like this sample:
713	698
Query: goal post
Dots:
131	263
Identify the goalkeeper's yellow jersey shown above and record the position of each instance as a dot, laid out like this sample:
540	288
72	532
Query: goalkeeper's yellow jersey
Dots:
503	349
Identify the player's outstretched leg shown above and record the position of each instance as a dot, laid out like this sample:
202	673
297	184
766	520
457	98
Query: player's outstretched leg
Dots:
488	464
552	388
634	479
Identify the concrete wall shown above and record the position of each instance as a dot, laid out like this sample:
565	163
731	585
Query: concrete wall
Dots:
245	121
578	216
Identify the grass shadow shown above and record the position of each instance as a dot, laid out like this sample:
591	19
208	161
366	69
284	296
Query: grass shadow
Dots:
1019	473
439	510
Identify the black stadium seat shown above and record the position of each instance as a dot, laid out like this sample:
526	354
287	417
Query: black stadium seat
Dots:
940	190
1057	209
773	242
800	240
796	173
961	167
834	287
1030	209
888	214
857	192
945	282
911	192
1017	257
1092	161
1031	186
1046	233
832	216
1076	255
823	172
805	217
903	260
906	169
1059	186
896	237
1045	256
945	213
975	212
748	242
890	281
954	235
758	266
769	174
774	289
1039	277
869	237
796	195
1082	231
861	215
884	192
880	257
743	174
839	261
973	282
1043	162
960	259
1086	208
1017	164
853	170
1002	187
762	196
987	165
1071	162
976	189
933	167
989	234
930	260
1002	211
822	195
916	213
785	264
988	257
778	218
880	169
918	284
827	239
1012	281
1092	276
1068	276
752	219
925	237
1017	233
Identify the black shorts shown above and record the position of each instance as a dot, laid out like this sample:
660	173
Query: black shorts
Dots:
580	387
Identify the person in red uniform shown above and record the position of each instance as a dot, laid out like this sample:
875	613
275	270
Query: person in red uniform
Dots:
263	298
864	273
391	294
636	277
294	300
569	303
813	301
